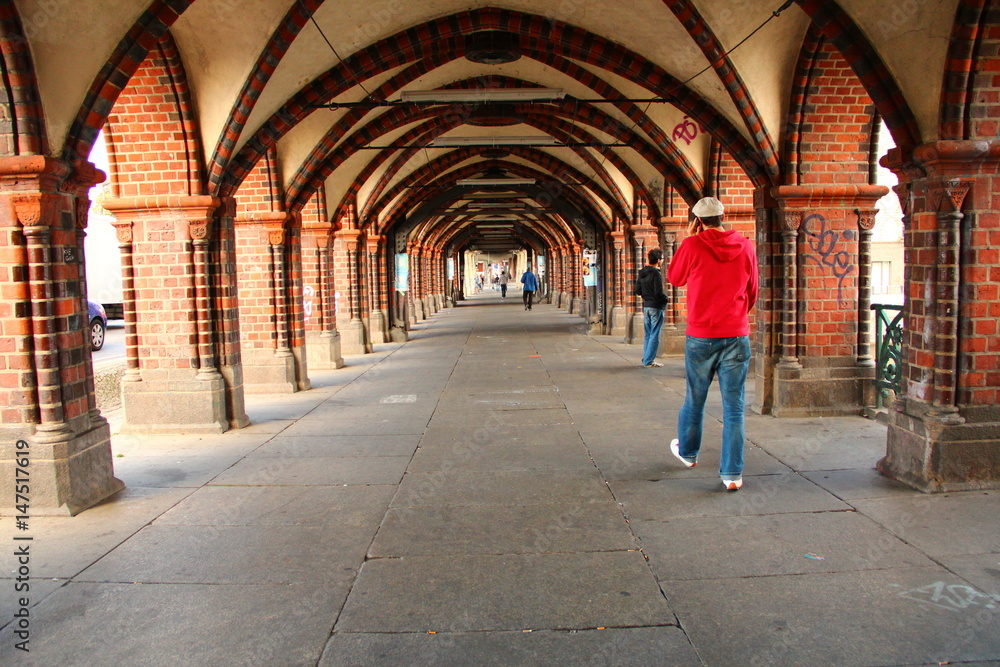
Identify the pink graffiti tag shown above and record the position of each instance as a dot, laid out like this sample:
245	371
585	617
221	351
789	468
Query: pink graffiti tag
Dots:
686	130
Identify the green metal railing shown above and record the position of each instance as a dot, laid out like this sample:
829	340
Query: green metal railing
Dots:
888	351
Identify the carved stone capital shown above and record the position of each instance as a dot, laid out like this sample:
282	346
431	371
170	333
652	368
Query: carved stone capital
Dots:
198	229
123	231
790	221
866	218
276	236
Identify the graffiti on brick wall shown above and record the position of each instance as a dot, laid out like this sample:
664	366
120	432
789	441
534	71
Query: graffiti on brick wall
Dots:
829	252
308	294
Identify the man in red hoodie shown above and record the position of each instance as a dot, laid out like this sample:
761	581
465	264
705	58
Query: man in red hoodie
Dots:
719	267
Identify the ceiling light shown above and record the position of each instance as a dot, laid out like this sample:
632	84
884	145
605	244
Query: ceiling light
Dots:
495	181
498	204
459	95
541	140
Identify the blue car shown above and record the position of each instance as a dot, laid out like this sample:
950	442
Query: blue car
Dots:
98	324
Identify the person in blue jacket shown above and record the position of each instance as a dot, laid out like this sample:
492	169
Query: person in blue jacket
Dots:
530	283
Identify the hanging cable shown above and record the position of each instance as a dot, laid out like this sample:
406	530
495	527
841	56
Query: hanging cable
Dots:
775	14
339	59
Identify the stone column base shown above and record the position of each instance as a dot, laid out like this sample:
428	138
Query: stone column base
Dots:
235	404
619	322
66	476
574	305
398	335
943	453
323	350
638	328
828	391
353	338
672	342
418	310
267	372
376	327
180	405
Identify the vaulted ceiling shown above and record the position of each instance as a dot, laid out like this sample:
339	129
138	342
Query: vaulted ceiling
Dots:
645	87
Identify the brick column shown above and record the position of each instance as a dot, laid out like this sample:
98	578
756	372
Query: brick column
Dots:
674	332
620	287
419	313
866	223
944	428
269	366
173	383
354	337
322	337
818	373
645	237
46	385
553	265
378	309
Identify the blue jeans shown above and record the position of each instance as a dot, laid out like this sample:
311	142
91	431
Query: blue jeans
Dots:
729	358
652	322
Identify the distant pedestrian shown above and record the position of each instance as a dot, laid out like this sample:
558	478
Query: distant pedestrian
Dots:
719	267
649	285
530	285
504	278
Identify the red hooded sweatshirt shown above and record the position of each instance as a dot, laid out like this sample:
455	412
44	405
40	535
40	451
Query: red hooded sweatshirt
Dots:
720	269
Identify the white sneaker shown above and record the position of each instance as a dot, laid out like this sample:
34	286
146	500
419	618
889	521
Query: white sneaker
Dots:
675	449
732	483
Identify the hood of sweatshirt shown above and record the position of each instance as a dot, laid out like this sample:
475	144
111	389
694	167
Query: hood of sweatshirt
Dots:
645	271
726	245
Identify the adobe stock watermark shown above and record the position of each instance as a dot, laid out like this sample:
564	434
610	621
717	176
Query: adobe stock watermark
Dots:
22	545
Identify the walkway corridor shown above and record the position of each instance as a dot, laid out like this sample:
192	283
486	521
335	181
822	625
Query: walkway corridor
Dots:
498	491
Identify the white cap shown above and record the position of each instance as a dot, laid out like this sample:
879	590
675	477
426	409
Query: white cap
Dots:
708	207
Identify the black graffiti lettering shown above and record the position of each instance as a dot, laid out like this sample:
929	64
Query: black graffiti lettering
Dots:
824	243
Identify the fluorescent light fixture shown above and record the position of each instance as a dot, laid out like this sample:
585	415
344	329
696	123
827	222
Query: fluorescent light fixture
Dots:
540	140
495	181
482	95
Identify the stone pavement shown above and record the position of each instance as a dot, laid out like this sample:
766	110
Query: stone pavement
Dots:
498	491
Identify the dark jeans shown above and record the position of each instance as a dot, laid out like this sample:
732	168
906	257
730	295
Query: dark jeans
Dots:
526	295
503	290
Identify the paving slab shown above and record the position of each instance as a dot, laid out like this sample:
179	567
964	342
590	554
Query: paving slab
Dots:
126	624
535	417
509	592
768	545
344	426
982	571
939	525
677	498
311	471
353	505
512	487
503	455
344	446
486	432
397	407
857	484
62	547
821	443
321	555
632	457
13	591
426	531
849	618
626	647
523	399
